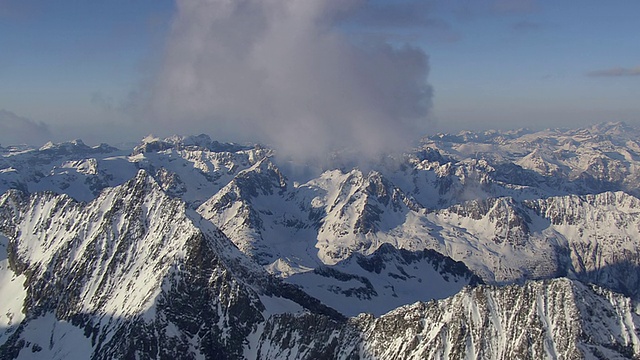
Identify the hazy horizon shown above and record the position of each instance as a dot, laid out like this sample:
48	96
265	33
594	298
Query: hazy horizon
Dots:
309	77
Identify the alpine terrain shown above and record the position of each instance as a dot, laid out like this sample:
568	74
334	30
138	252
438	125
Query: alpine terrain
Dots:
479	245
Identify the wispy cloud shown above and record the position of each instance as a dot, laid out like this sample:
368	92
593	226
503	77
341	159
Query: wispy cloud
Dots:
16	129
292	74
615	72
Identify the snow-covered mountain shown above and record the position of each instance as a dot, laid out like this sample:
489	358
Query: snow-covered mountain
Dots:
187	247
385	280
131	274
557	319
508	232
192	168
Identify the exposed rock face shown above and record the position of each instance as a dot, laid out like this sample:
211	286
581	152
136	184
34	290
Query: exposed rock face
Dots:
193	168
599	237
189	248
134	275
386	279
540	320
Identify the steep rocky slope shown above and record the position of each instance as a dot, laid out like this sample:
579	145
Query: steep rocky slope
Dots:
540	320
129	275
185	247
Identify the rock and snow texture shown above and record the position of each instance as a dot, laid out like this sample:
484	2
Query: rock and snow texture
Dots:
385	280
13	294
186	247
127	275
192	168
507	223
553	319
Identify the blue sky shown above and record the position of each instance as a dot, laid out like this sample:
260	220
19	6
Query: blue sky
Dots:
81	68
532	66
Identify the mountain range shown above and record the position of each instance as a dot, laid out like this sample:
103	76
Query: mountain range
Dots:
479	245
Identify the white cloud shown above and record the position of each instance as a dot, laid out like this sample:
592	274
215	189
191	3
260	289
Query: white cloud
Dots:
16	129
285	72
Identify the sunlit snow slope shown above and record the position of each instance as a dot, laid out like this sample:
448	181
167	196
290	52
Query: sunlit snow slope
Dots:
186	247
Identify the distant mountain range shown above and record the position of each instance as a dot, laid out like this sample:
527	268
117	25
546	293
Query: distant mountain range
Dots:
480	245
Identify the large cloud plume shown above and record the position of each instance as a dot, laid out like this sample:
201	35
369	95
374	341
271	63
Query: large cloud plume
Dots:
301	75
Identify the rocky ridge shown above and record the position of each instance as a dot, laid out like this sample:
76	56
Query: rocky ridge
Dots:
551	319
129	253
131	275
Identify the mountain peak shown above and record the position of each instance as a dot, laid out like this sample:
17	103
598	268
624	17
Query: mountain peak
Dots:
166	253
195	142
75	147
